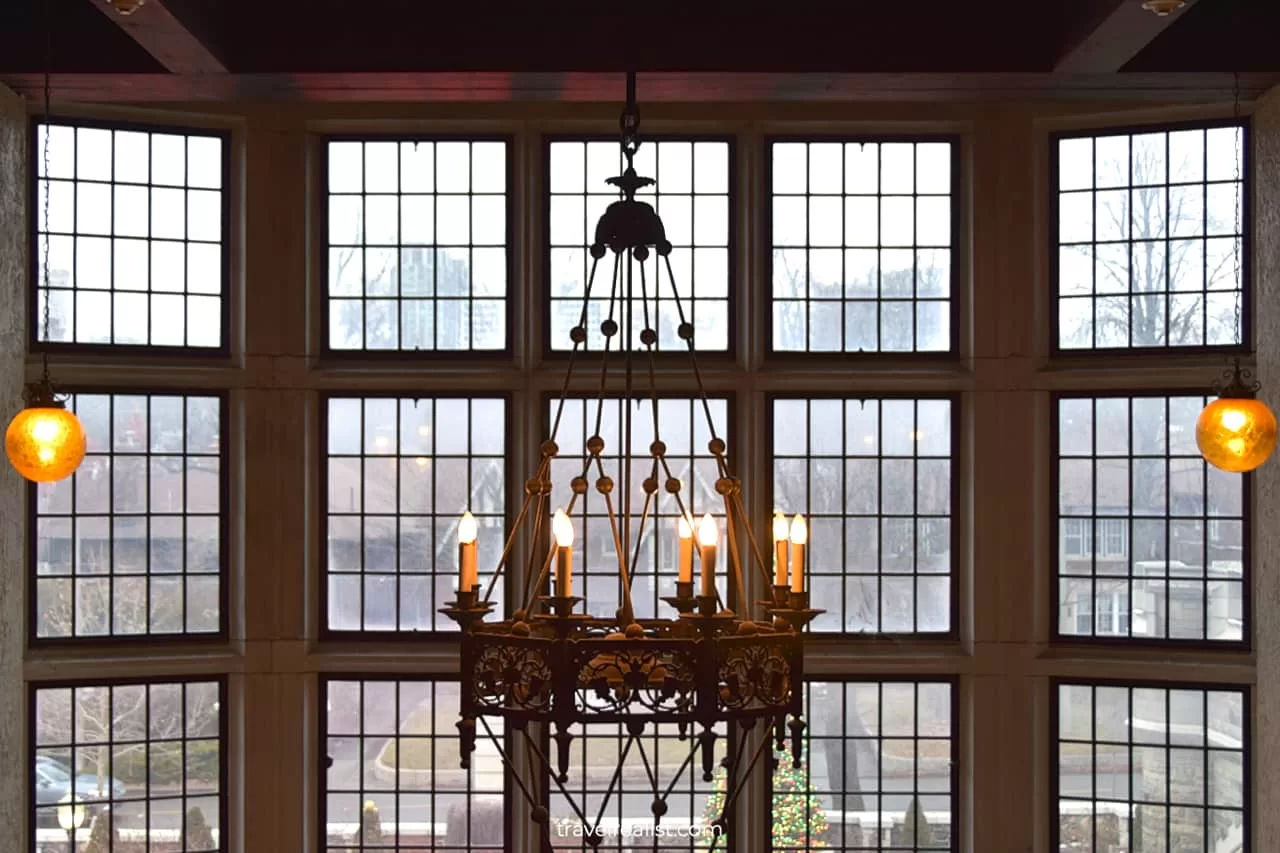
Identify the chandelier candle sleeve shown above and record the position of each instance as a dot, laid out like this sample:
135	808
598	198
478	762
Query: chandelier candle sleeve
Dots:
468	565
684	531
707	537
799	544
780	533
562	529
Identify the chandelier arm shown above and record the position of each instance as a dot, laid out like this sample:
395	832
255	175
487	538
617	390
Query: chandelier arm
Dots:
735	562
751	541
653	379
687	764
608	345
628	446
578	343
546	765
680	504
506	761
539	519
617	776
741	780
649	772
644	518
628	612
693	356
511	539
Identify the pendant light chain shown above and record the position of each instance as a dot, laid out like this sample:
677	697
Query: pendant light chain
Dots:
44	249
1237	243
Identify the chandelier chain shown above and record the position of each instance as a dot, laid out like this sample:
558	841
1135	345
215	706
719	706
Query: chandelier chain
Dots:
1237	247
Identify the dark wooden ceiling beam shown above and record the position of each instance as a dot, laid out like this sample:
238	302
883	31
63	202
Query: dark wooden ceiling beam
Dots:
1118	37
161	34
500	87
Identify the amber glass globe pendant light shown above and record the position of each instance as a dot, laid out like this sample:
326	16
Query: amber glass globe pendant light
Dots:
1236	432
45	442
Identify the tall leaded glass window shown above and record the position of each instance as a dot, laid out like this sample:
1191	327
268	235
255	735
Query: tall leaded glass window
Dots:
1149	237
134	543
417	245
862	236
1151	539
694	198
136	236
874	479
400	472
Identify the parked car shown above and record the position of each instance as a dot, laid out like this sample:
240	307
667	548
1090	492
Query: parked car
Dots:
54	781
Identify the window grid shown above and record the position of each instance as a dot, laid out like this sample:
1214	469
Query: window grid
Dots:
394	743
1182	302
866	438
147	755
1111	469
627	822
391	498
918	315
1179	780
702	235
901	728
421	299
121	243
683	427
139	483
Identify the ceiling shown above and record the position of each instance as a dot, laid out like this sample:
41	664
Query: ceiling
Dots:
278	40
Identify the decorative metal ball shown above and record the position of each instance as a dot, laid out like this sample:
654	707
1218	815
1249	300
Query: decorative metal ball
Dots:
685	331
724	486
1236	434
659	808
648	337
650	485
598	250
716	446
577	334
658	448
604	485
539	814
532	485
641	253
674	485
578	485
634	631
595	445
45	443
550	448
520	629
609	328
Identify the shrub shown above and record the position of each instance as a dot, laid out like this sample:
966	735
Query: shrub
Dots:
199	834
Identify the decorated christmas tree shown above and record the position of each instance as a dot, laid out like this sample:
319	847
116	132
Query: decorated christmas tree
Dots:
798	818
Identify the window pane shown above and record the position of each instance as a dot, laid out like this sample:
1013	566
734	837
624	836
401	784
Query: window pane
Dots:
877	772
400	473
595	562
1149	250
417	251
1150	767
873	478
134	240
627	822
692	197
132	544
394	780
145	759
861	245
1150	538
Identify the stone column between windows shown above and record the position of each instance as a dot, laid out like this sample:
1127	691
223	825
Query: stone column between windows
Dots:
1004	444
274	760
1266	512
13	563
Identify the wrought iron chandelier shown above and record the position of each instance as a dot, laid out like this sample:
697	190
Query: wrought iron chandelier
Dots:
552	668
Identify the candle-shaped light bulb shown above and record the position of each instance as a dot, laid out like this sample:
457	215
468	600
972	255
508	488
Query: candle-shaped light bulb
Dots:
684	533
799	544
562	530
780	533
468	564
707	538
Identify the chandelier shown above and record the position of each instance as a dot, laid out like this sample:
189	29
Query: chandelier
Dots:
554	667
